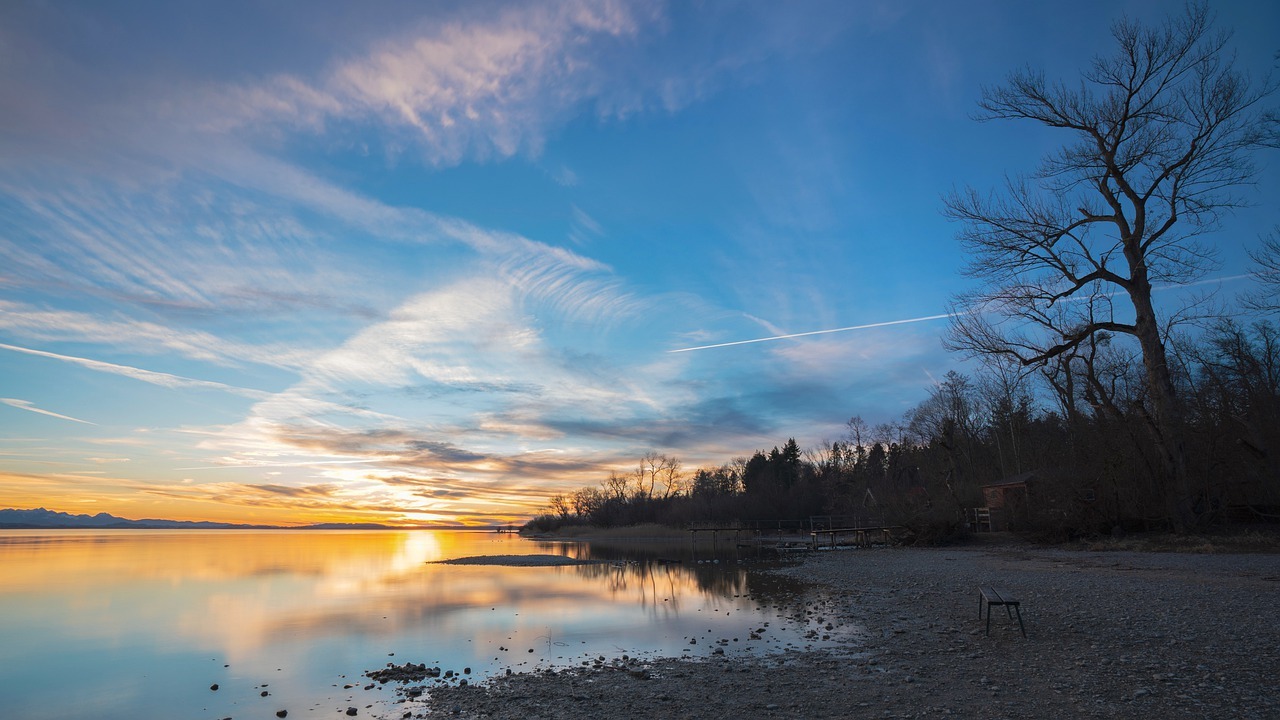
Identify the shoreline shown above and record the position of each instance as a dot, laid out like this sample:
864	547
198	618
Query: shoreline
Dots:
517	561
1110	634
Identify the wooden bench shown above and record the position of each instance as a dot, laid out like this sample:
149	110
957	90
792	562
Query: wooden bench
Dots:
989	596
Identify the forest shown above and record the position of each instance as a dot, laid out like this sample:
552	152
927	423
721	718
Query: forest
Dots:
1074	432
1106	390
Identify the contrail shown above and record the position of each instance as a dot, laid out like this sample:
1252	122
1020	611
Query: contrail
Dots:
30	407
147	376
926	318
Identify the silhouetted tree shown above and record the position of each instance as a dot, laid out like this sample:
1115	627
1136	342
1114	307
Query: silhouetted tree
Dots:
1267	273
1162	131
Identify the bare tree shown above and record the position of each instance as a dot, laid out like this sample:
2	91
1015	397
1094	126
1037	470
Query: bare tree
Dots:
588	501
615	486
1003	389
660	470
562	506
1163	131
1267	273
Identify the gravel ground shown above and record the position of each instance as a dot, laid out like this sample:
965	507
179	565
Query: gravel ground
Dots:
1110	634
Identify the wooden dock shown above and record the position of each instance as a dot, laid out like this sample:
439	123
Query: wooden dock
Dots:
862	536
715	533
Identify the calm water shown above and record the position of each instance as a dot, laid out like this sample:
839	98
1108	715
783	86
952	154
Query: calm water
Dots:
139	624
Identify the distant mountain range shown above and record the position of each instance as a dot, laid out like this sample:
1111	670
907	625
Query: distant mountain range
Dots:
39	518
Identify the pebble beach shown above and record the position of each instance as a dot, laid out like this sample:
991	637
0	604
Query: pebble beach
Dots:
1109	635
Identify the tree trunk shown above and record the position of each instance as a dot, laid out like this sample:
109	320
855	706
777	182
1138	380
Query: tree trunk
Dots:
1166	409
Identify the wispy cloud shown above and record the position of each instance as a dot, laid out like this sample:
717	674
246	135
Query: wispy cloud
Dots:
147	376
430	383
29	407
48	325
231	465
584	228
474	87
180	246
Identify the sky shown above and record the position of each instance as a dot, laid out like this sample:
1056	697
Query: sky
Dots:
428	263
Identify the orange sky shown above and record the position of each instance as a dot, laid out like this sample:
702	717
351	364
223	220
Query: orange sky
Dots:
230	503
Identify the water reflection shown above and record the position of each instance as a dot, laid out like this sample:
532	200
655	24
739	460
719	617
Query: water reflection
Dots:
143	622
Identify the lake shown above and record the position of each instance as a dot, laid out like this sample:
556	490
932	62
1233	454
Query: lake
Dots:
139	624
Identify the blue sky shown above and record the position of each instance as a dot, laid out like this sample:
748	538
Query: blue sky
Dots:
426	262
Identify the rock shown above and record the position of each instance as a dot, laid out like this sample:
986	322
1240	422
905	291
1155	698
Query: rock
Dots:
282	713
214	687
352	711
264	693
409	672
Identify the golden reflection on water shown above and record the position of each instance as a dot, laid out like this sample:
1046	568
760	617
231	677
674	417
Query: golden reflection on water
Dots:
304	608
237	591
73	558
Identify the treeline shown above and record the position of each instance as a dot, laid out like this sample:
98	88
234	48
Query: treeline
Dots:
1076	431
1085	383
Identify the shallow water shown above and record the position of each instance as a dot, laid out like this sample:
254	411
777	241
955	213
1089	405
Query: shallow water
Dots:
139	624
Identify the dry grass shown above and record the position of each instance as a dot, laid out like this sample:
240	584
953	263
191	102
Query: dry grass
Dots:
631	532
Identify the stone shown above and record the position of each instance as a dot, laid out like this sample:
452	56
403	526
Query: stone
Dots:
282	713
352	711
214	687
